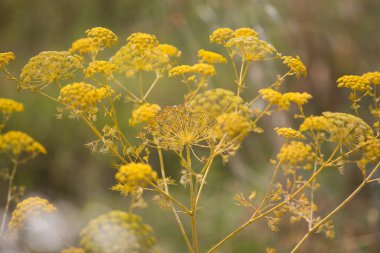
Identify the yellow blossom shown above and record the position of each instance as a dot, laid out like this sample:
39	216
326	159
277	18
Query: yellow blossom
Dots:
103	36
104	67
210	57
32	207
289	133
48	67
117	232
204	69
8	106
250	48
297	97
142	41
275	98
353	82
295	65
144	113
18	143
73	250
83	96
133	175
315	123
170	50
6	58
180	70
221	36
85	46
232	125
373	77
240	32
296	153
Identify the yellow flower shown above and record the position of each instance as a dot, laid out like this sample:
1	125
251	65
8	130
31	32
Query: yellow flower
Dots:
296	154
83	96
6	58
204	69
48	67
210	57
104	67
232	125
144	113
133	175
180	70
289	133
219	101
73	250
117	232
177	126
142	41
85	46
315	123
29	208
275	98
18	143
241	32
354	82
170	50
8	106
221	36
104	36
250	48
373	77
297	97
295	65
371	150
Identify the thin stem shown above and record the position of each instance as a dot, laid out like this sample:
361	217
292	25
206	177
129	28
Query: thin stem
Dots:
342	204
130	93
151	86
208	166
9	197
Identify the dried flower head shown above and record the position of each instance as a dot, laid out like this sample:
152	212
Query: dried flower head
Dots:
250	48
117	232
9	106
103	67
27	209
353	82
144	113
48	67
221	36
133	175
6	58
177	126
18	143
210	57
83	96
295	65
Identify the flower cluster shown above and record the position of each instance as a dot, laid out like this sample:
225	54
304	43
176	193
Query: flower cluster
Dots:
221	36
353	82
117	232
144	113
48	67
297	154
29	208
297	97
9	106
372	77
275	98
17	143
289	133
133	175
210	57
6	58
295	65
232	125
83	96
103	67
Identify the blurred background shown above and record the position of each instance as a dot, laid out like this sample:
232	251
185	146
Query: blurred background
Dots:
332	37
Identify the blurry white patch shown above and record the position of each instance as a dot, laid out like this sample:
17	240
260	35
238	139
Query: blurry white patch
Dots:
206	13
272	12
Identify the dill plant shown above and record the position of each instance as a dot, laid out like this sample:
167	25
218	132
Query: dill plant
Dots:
210	123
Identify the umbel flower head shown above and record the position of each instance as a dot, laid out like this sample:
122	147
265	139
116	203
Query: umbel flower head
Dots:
103	67
48	67
372	77
232	125
296	154
83	96
289	133
210	57
144	113
295	65
117	232
9	106
133	175
353	82
18	143
6	58
177	126
144	53
30	208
